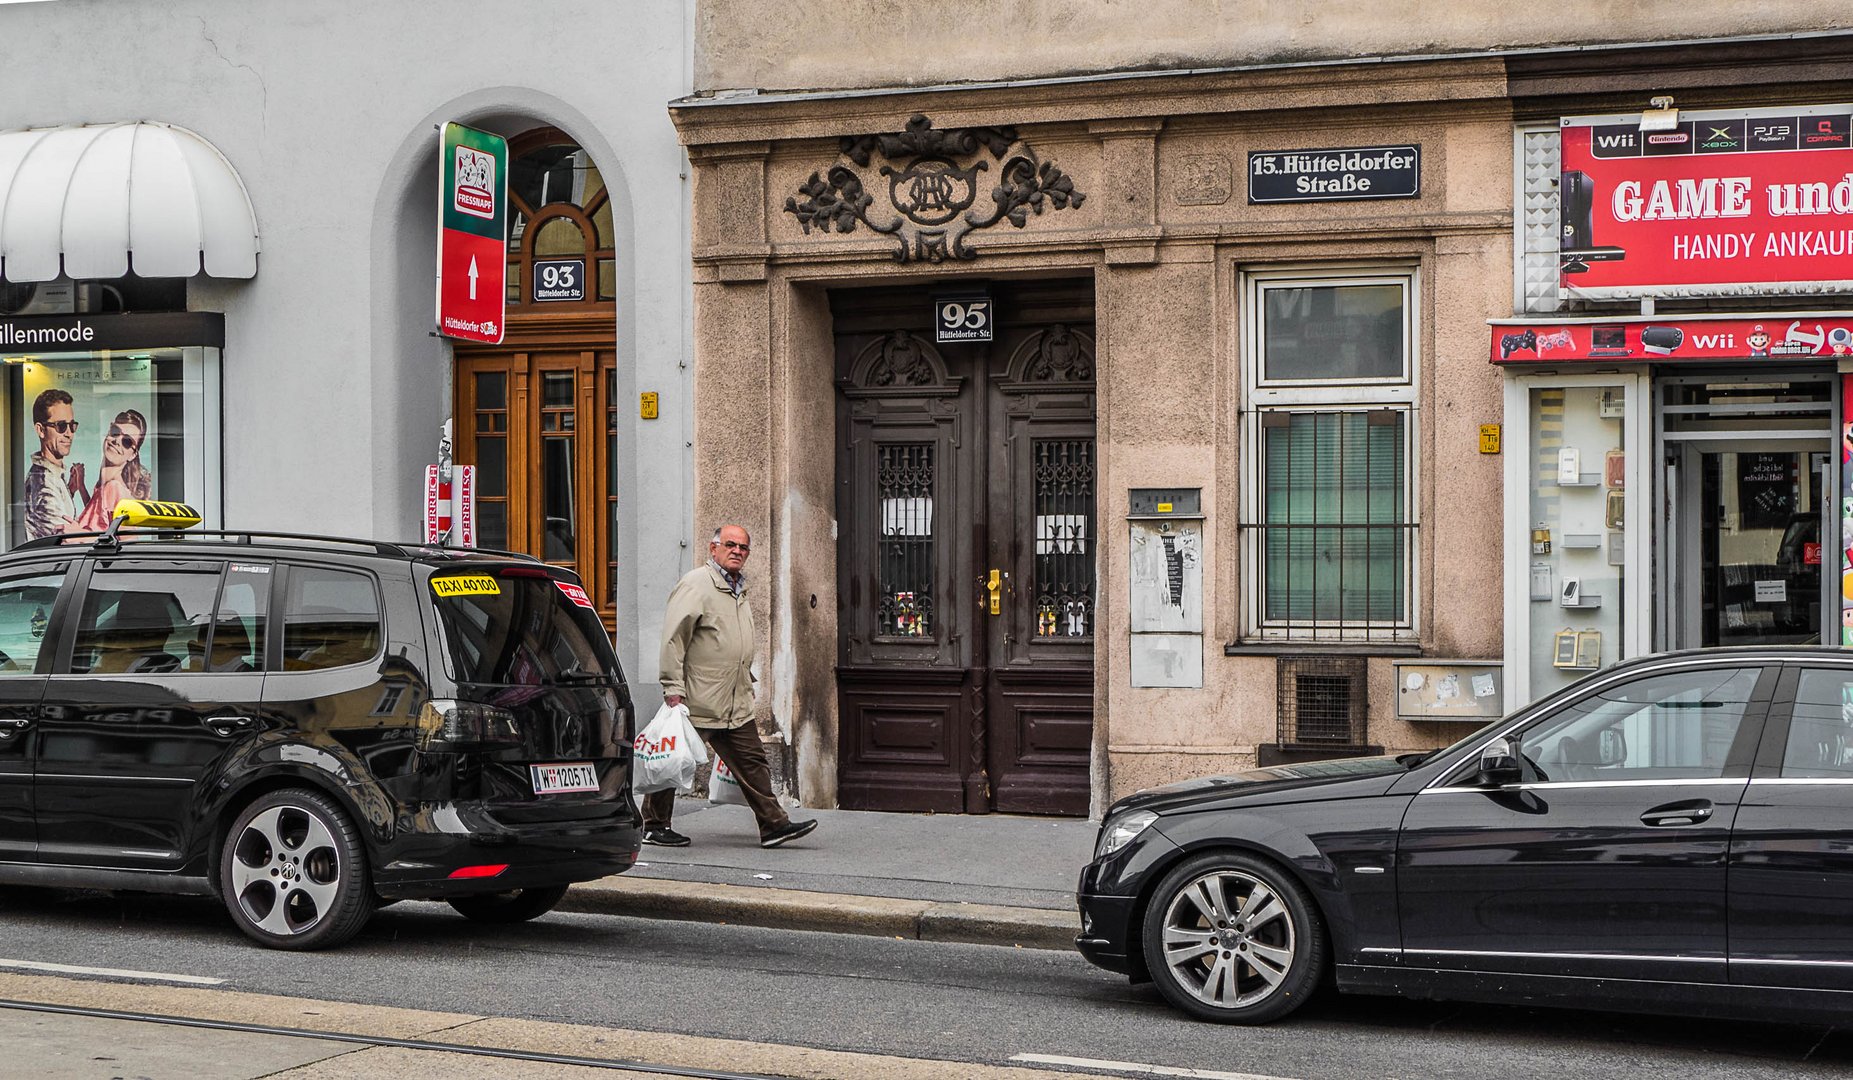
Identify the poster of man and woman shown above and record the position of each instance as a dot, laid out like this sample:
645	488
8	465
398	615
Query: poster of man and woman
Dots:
85	445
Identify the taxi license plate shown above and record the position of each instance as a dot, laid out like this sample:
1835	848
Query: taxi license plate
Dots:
562	778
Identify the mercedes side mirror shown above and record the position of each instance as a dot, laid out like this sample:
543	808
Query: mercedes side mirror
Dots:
1499	763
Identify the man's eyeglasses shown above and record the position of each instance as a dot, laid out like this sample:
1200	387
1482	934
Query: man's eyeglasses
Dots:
123	439
62	427
733	545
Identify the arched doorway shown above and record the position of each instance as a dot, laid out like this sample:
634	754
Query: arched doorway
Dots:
537	414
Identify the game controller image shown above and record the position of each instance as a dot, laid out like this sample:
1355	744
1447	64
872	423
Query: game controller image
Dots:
1556	339
1576	206
1521	341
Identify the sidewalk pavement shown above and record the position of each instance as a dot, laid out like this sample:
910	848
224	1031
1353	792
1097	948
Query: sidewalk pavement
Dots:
990	879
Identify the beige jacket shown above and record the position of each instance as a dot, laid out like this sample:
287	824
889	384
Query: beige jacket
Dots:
708	649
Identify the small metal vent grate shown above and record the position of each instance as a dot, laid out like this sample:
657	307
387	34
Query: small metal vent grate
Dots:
1321	702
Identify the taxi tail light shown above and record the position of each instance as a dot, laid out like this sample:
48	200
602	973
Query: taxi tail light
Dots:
448	725
488	870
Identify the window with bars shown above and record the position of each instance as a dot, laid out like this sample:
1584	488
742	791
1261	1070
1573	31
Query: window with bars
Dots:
904	475
1064	494
1328	528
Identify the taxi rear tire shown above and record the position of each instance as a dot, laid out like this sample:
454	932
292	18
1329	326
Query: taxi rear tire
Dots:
293	872
514	906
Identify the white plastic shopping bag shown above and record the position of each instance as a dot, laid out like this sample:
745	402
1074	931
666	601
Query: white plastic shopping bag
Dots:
724	787
667	753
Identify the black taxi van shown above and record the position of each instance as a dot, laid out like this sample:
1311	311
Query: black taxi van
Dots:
306	727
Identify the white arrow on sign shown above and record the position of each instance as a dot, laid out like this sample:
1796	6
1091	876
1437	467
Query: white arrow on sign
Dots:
472	277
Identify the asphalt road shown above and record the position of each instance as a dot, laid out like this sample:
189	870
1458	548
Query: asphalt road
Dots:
950	1002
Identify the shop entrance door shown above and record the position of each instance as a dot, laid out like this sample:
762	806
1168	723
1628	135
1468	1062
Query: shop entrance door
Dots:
1745	528
966	553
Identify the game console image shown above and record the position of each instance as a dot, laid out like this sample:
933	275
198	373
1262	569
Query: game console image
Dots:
1662	340
1609	340
1576	208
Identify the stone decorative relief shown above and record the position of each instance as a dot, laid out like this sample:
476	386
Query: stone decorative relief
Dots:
1203	180
899	360
1057	355
928	185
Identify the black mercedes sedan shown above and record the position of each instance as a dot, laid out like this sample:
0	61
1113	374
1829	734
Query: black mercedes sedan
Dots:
1672	834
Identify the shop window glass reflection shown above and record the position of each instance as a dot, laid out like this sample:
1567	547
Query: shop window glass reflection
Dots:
87	431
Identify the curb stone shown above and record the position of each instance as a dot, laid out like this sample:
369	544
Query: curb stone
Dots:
837	913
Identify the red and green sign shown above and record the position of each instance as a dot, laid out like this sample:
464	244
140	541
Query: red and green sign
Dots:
472	225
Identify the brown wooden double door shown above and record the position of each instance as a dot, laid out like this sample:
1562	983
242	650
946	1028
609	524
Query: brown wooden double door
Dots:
538	419
966	472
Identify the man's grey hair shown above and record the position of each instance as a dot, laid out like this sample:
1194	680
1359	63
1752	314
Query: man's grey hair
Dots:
716	538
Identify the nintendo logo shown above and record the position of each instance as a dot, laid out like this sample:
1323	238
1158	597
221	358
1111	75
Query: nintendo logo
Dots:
474	192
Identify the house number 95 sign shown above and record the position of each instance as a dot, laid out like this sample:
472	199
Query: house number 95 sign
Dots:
962	318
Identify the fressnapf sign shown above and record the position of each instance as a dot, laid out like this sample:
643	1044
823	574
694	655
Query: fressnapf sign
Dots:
1727	203
472	225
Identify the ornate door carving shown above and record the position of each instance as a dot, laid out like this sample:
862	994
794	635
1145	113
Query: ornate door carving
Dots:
955	461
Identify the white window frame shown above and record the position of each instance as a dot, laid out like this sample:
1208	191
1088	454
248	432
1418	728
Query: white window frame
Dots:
1262	396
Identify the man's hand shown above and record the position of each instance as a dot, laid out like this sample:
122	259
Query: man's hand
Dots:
672	700
76	483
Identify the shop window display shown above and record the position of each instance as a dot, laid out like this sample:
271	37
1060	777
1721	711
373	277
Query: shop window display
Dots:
1577	573
84	431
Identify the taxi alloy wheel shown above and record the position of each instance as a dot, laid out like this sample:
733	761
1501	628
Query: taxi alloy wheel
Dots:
1234	939
293	872
513	906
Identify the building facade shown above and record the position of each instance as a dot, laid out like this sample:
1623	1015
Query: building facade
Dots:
235	210
1119	407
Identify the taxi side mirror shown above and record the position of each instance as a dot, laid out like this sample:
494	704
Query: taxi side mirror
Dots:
1612	747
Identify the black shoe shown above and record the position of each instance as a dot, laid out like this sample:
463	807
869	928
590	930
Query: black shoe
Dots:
791	831
665	837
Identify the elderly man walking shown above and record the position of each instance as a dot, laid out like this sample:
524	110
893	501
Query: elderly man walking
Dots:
707	664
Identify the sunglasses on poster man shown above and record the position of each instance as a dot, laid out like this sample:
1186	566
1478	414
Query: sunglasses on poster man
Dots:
62	427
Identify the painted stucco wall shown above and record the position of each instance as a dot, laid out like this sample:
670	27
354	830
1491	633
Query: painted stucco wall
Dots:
334	389
819	44
1166	236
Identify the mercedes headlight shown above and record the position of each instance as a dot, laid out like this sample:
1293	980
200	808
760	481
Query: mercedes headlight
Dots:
1119	831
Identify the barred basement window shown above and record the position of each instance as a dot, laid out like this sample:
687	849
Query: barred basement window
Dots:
1321	702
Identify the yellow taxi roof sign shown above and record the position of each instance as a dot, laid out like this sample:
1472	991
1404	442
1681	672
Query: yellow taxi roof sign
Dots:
148	513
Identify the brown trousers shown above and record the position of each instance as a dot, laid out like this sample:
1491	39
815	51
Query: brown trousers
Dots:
746	756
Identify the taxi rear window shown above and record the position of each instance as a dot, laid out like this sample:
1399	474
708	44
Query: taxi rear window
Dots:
518	627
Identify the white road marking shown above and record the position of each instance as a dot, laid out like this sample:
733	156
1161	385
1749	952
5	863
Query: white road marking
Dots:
117	973
1136	1067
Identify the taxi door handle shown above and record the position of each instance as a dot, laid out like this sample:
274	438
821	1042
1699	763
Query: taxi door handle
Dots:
1680	813
228	725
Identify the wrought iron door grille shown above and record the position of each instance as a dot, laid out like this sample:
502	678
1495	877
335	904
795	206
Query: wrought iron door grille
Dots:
1064	498
1321	702
904	560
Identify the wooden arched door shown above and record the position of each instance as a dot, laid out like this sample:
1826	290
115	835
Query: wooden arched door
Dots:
537	415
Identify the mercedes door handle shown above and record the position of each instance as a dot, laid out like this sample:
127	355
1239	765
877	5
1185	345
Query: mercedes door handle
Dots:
228	725
1680	813
13	725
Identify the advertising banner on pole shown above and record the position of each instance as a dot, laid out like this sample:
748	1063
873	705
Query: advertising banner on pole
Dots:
437	506
1738	202
463	506
472	231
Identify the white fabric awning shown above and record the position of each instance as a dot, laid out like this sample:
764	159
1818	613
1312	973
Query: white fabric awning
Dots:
92	201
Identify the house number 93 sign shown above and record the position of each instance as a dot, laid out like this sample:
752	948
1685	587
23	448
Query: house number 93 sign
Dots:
962	318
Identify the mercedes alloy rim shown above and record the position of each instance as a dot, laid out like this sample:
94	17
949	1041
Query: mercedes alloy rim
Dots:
1228	939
